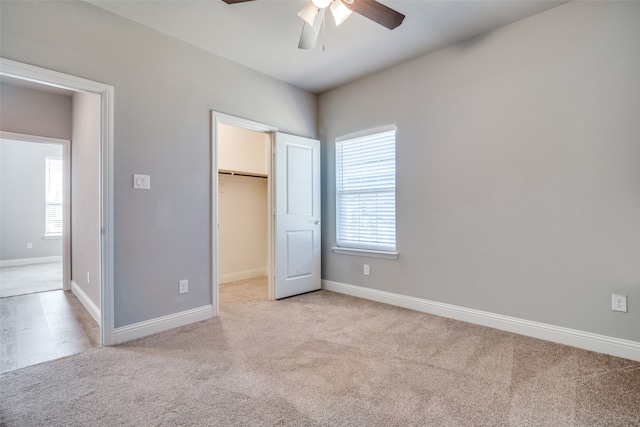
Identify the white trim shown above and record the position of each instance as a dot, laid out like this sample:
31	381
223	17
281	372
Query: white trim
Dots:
66	212
77	84
571	337
367	132
241	123
40	75
161	324
32	138
242	275
88	304
364	252
29	261
107	298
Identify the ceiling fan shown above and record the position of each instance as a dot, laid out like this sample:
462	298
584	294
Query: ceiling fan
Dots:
314	11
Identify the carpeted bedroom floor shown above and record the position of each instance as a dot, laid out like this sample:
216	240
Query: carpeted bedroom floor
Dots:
325	359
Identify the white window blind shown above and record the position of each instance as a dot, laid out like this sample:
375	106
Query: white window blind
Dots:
366	192
53	195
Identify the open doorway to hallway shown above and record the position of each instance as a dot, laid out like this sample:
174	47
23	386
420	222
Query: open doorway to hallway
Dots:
48	311
98	106
39	321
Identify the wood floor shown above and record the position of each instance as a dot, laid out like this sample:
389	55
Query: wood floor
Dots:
43	326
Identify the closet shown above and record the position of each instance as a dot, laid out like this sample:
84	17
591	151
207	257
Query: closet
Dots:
243	167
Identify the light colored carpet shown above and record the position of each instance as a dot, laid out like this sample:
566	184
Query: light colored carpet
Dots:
324	359
28	279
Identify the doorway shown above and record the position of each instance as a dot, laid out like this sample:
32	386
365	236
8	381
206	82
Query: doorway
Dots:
243	202
104	231
44	312
293	209
243	175
34	205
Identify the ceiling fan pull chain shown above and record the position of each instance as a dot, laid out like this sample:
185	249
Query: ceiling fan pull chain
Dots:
323	47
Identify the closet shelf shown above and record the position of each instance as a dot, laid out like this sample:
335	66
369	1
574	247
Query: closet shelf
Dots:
248	174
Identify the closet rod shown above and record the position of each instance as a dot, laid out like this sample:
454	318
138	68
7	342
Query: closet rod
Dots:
242	174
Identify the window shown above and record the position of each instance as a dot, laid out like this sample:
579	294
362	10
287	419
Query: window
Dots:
53	197
366	192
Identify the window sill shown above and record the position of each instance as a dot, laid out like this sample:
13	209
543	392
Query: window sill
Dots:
365	252
59	236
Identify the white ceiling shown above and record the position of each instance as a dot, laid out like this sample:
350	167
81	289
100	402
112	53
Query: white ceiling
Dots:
264	34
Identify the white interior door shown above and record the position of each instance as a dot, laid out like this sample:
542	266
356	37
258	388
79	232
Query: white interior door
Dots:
297	215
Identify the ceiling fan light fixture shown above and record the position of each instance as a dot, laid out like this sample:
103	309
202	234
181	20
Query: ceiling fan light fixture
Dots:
309	13
339	11
321	4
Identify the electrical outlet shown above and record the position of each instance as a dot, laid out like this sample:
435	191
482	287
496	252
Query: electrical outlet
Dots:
183	286
366	269
88	277
29	245
619	303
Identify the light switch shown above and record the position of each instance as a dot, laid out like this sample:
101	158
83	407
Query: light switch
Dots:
141	182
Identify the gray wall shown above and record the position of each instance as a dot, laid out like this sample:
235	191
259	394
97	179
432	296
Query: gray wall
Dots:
85	200
164	91
517	170
32	112
22	200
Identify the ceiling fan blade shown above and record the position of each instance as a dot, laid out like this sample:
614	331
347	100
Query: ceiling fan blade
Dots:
377	12
235	1
309	36
309	13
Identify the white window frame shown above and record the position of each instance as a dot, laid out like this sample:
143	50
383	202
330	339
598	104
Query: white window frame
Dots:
53	198
387	250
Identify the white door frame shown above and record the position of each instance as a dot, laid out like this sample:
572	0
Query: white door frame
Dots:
66	202
77	84
221	118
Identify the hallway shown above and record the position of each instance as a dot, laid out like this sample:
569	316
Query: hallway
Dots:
43	326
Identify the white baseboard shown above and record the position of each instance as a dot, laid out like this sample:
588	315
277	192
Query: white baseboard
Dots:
28	261
242	275
88	304
161	324
572	337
